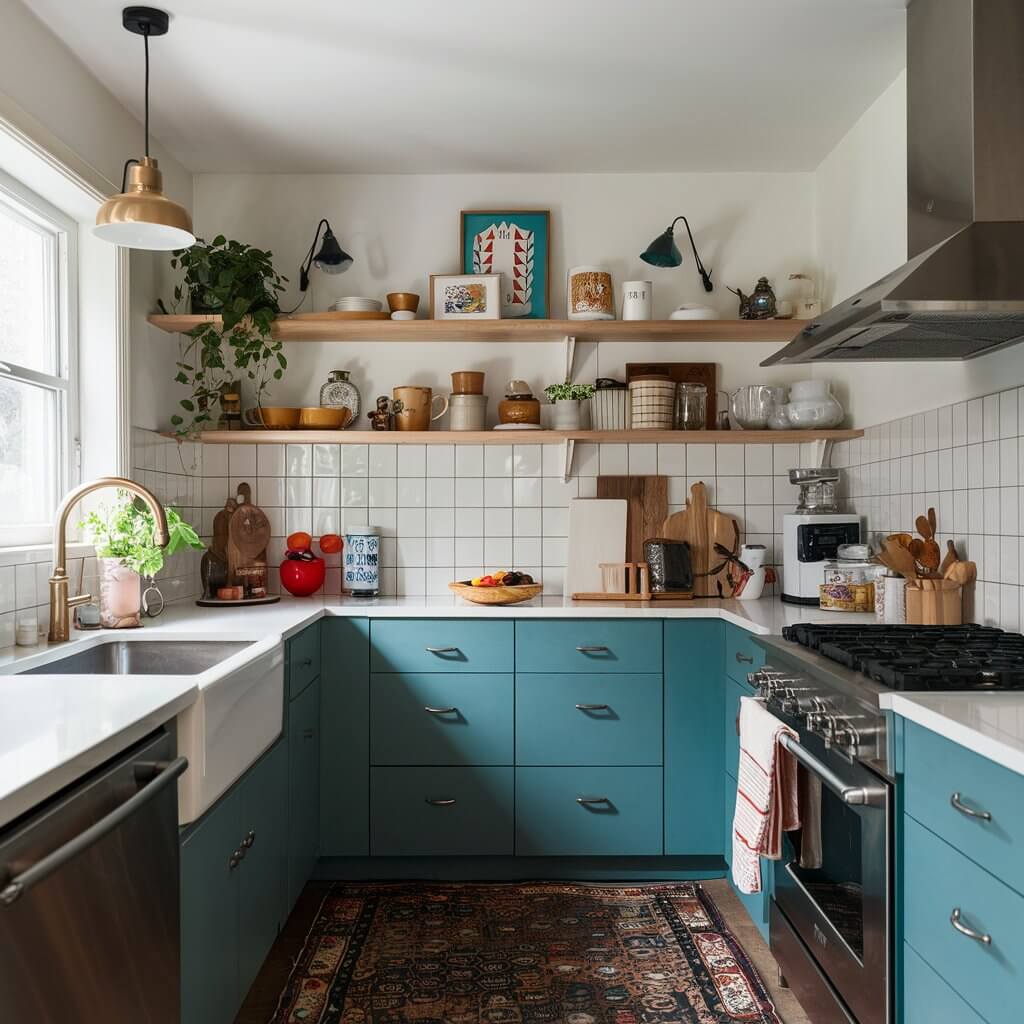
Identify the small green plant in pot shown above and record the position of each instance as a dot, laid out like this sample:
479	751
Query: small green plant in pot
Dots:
125	550
566	399
239	283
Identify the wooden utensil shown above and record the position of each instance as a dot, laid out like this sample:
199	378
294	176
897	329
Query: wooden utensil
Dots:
903	539
701	528
932	522
965	573
900	559
684	373
924	527
930	555
950	558
915	547
248	534
646	500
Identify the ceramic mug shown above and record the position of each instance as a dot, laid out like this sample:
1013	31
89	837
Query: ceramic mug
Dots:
467	412
417	407
636	300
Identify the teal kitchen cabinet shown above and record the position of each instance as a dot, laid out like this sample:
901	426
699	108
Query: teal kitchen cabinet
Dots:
441	645
233	864
303	788
588	645
345	737
694	699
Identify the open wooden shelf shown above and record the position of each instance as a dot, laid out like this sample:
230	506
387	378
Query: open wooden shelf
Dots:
525	436
511	330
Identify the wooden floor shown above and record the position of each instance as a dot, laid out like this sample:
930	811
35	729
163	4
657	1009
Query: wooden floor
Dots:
261	1002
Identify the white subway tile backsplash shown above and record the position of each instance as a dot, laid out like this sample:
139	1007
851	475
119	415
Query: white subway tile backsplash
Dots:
242	461
412	492
440	460
526	522
498	522
643	459
383	492
412	522
614	459
299	459
326	460
700	460
440	522
354	492
382	460
299	491
586	459
527	492
412	460
498	460
469	460
672	459
730	460
469	492
298	520
469	522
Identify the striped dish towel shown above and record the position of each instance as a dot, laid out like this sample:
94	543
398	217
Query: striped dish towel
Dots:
766	794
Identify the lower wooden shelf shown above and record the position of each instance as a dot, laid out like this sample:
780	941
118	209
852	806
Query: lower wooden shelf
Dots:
524	436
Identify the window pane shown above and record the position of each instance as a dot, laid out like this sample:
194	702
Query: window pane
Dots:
27	294
28	453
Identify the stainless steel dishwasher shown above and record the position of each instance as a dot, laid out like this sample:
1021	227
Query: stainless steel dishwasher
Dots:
89	897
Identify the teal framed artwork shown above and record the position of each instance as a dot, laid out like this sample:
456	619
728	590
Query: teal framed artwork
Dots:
517	245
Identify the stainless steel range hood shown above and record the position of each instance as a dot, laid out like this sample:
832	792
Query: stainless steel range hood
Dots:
961	294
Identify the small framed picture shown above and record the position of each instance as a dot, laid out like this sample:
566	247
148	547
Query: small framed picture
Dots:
516	244
465	296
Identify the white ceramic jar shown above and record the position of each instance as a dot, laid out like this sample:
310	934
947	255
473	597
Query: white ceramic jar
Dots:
813	406
361	561
636	300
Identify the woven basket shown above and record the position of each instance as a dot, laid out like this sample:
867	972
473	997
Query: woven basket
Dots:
652	401
496	595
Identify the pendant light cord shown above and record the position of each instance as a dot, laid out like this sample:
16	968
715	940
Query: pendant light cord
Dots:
145	41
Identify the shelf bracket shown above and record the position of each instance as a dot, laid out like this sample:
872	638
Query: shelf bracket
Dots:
569	445
570	356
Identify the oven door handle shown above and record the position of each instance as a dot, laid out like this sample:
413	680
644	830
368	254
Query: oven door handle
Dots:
862	796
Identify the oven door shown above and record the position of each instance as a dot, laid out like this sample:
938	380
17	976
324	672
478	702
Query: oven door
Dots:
833	883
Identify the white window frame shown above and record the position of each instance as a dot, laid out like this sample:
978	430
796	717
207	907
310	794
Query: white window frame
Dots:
41	215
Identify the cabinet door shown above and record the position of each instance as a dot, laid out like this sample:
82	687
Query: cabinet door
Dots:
261	875
303	789
694	703
345	738
210	993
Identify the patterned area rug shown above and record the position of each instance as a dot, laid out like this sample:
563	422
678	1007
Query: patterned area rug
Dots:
521	954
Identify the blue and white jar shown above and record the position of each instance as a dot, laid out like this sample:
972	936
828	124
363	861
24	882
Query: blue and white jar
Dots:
361	561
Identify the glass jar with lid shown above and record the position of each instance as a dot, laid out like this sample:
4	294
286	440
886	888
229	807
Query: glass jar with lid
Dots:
340	393
691	407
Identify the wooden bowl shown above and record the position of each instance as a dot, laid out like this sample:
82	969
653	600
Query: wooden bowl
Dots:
403	300
272	418
319	417
496	595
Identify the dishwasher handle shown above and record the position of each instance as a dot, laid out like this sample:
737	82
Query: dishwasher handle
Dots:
42	869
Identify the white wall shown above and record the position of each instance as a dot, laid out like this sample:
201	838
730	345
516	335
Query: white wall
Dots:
402	228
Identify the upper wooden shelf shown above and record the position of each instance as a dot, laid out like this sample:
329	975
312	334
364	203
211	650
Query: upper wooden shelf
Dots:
510	330
524	436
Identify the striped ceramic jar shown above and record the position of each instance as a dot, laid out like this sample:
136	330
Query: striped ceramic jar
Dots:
652	398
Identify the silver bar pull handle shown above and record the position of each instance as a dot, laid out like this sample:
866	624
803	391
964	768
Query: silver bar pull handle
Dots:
441	650
441	801
857	796
744	659
956	920
586	801
306	663
592	649
45	867
236	858
250	838
592	707
440	711
957	804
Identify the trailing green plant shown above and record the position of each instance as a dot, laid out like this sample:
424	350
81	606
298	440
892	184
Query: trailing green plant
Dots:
569	392
125	531
238	282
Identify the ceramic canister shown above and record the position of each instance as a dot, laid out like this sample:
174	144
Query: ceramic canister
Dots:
361	561
467	412
590	294
636	300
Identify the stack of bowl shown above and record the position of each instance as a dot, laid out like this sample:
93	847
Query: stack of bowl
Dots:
403	305
356	304
467	406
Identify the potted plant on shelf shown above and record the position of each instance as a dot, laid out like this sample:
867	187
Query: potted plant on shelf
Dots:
566	399
123	537
239	283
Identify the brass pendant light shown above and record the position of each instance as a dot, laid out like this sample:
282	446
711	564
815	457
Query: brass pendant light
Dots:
142	217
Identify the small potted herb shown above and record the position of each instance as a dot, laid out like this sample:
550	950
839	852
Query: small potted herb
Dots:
566	399
125	551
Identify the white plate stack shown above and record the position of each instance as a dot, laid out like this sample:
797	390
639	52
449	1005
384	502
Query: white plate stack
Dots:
356	304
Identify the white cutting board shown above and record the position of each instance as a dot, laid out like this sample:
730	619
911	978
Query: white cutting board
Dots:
597	533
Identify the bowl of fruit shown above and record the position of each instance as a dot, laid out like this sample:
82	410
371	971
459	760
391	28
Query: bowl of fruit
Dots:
502	587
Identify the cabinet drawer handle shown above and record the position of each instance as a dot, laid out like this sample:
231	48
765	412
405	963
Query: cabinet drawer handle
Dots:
956	921
236	858
744	659
969	812
440	711
308	734
441	650
592	707
441	801
250	838
586	801
592	649
306	663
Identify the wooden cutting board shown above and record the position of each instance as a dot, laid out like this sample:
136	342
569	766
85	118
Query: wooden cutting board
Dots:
685	373
597	533
248	534
702	527
646	500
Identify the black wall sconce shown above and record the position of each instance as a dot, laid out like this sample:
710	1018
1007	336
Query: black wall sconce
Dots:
331	258
663	252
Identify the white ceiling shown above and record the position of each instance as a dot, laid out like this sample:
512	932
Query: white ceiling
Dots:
526	86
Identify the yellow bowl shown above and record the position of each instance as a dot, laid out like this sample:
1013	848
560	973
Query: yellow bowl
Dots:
272	418
319	417
496	595
403	300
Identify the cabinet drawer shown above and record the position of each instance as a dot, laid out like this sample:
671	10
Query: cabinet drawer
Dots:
936	769
580	719
625	822
938	880
589	645
927	999
441	719
733	692
303	660
440	812
742	654
440	645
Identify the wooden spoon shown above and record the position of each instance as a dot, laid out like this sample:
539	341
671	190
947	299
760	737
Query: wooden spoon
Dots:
900	559
915	547
932	521
924	527
930	555
951	557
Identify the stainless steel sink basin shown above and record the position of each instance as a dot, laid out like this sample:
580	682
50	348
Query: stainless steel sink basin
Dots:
143	658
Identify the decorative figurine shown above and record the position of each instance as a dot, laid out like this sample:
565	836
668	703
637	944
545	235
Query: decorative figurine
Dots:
759	304
382	418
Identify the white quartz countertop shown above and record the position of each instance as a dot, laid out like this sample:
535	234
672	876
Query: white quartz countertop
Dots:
56	728
990	724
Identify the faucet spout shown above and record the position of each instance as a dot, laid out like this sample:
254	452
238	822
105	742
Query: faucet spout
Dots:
60	604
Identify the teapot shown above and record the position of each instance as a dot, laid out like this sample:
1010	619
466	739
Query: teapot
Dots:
760	304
